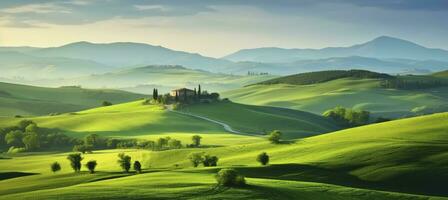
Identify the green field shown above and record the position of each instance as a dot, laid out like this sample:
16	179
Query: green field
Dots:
354	93
30	100
380	161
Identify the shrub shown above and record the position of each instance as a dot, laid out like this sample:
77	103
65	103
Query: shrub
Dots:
230	177
91	165
16	150
55	167
124	161
275	137
75	161
106	103
137	166
263	158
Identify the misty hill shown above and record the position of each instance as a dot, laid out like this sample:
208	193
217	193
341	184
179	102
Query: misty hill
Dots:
382	47
124	54
163	77
22	66
443	74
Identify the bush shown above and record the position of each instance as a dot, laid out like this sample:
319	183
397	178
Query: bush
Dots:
124	161
106	103
138	167
263	158
230	177
55	167
75	161
275	137
91	165
196	140
16	150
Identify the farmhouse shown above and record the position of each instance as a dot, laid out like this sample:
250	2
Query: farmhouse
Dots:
181	92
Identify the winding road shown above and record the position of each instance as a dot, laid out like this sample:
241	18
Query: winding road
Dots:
224	125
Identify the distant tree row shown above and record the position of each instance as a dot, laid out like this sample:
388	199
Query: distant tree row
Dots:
348	117
28	136
250	73
409	83
94	142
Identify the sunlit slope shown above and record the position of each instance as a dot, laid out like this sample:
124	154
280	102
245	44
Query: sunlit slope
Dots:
30	100
353	93
262	119
405	155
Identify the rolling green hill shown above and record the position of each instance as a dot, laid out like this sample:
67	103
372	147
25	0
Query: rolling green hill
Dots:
30	100
406	156
442	74
357	93
263	120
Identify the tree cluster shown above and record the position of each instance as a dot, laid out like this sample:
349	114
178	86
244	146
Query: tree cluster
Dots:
411	84
230	178
348	117
28	136
198	158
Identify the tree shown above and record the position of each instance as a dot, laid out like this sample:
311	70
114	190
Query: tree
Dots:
230	177
24	123
55	167
162	142
82	148
93	140
106	103
176	98
275	137
32	128
14	138
91	165
210	161
75	161
31	141
174	144
137	166
196	159
263	158
196	140
124	161
154	94
199	91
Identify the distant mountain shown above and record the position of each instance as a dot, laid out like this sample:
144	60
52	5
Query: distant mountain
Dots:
382	47
22	66
125	54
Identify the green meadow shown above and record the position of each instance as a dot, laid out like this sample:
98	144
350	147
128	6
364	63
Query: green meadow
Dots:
364	94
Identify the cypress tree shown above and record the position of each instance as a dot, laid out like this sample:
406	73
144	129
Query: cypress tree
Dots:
176	98
199	91
185	95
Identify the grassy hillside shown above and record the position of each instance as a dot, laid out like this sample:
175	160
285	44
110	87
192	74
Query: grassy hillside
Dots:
355	93
262	119
403	156
30	100
442	74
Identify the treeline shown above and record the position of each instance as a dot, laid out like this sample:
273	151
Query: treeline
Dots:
196	96
95	142
28	136
408	83
324	76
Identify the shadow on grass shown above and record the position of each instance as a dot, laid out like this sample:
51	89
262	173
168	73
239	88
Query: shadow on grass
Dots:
9	175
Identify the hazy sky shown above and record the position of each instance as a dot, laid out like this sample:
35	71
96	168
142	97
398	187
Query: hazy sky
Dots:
217	28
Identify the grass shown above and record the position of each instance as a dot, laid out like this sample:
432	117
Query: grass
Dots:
404	156
352	93
30	100
263	120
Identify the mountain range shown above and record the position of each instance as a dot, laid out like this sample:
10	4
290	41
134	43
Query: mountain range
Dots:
89	61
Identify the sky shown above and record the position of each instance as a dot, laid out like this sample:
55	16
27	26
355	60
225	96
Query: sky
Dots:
219	27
